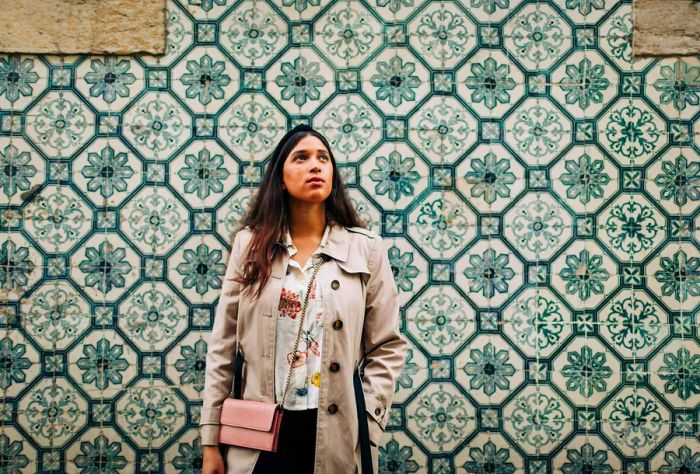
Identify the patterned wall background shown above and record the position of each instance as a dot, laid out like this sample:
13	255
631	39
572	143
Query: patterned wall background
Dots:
537	189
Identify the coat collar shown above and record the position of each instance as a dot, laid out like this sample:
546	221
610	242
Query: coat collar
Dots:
337	246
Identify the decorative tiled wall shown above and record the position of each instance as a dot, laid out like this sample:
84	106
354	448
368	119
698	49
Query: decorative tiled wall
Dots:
537	190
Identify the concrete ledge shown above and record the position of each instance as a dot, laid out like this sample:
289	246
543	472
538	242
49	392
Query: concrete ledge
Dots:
83	26
666	28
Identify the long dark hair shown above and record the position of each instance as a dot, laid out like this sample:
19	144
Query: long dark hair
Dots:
268	216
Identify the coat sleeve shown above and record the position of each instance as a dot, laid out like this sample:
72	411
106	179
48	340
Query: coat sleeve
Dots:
221	347
385	348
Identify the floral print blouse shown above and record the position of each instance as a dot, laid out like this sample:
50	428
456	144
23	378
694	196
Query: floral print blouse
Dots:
306	375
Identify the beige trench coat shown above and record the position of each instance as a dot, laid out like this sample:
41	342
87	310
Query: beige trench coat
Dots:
361	308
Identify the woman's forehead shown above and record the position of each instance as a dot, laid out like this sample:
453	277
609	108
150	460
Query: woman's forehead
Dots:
309	142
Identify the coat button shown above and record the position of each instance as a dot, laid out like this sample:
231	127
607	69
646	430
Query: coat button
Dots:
377	411
337	324
335	284
335	367
332	408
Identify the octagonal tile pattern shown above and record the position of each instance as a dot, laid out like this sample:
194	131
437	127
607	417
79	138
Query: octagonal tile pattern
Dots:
536	186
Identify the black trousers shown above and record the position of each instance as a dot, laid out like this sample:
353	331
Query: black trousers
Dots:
295	448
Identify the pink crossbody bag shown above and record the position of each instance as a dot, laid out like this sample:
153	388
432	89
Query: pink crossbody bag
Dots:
253	424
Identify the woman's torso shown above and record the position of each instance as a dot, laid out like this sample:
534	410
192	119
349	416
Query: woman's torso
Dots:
341	284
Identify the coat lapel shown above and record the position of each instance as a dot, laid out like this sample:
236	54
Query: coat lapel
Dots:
338	248
337	244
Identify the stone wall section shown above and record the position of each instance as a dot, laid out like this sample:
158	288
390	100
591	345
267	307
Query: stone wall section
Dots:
83	26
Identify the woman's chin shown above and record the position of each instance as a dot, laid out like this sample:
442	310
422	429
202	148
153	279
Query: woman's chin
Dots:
312	197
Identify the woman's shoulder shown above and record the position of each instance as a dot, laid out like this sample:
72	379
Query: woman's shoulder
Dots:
367	246
362	231
242	236
365	239
365	236
245	232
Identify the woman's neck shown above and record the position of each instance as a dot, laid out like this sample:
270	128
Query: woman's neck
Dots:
306	220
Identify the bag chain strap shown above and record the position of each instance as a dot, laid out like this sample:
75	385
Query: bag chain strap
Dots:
317	265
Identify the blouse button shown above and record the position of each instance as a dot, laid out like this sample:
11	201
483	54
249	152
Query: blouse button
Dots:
332	408
337	324
335	284
335	367
377	411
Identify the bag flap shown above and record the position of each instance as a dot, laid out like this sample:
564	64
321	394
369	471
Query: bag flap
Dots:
248	414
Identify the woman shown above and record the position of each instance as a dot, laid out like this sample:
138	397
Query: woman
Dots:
300	219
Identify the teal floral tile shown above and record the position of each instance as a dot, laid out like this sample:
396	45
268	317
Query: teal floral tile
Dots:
538	418
23	78
25	168
395	174
442	34
489	369
249	126
59	124
206	79
678	453
674	181
668	371
300	81
46	425
671	83
398	454
584	274
441	417
345	49
584	83
584	179
440	320
537	226
489	451
490	82
93	443
537	36
490	177
103	364
675	258
636	419
109	82
537	131
25	363
586	371
396	81
537	189
587	451
414	375
156	125
632	132
410	268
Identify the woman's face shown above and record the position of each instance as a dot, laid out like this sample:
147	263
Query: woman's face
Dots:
307	174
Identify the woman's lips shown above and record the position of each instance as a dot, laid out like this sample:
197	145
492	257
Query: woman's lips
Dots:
315	181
